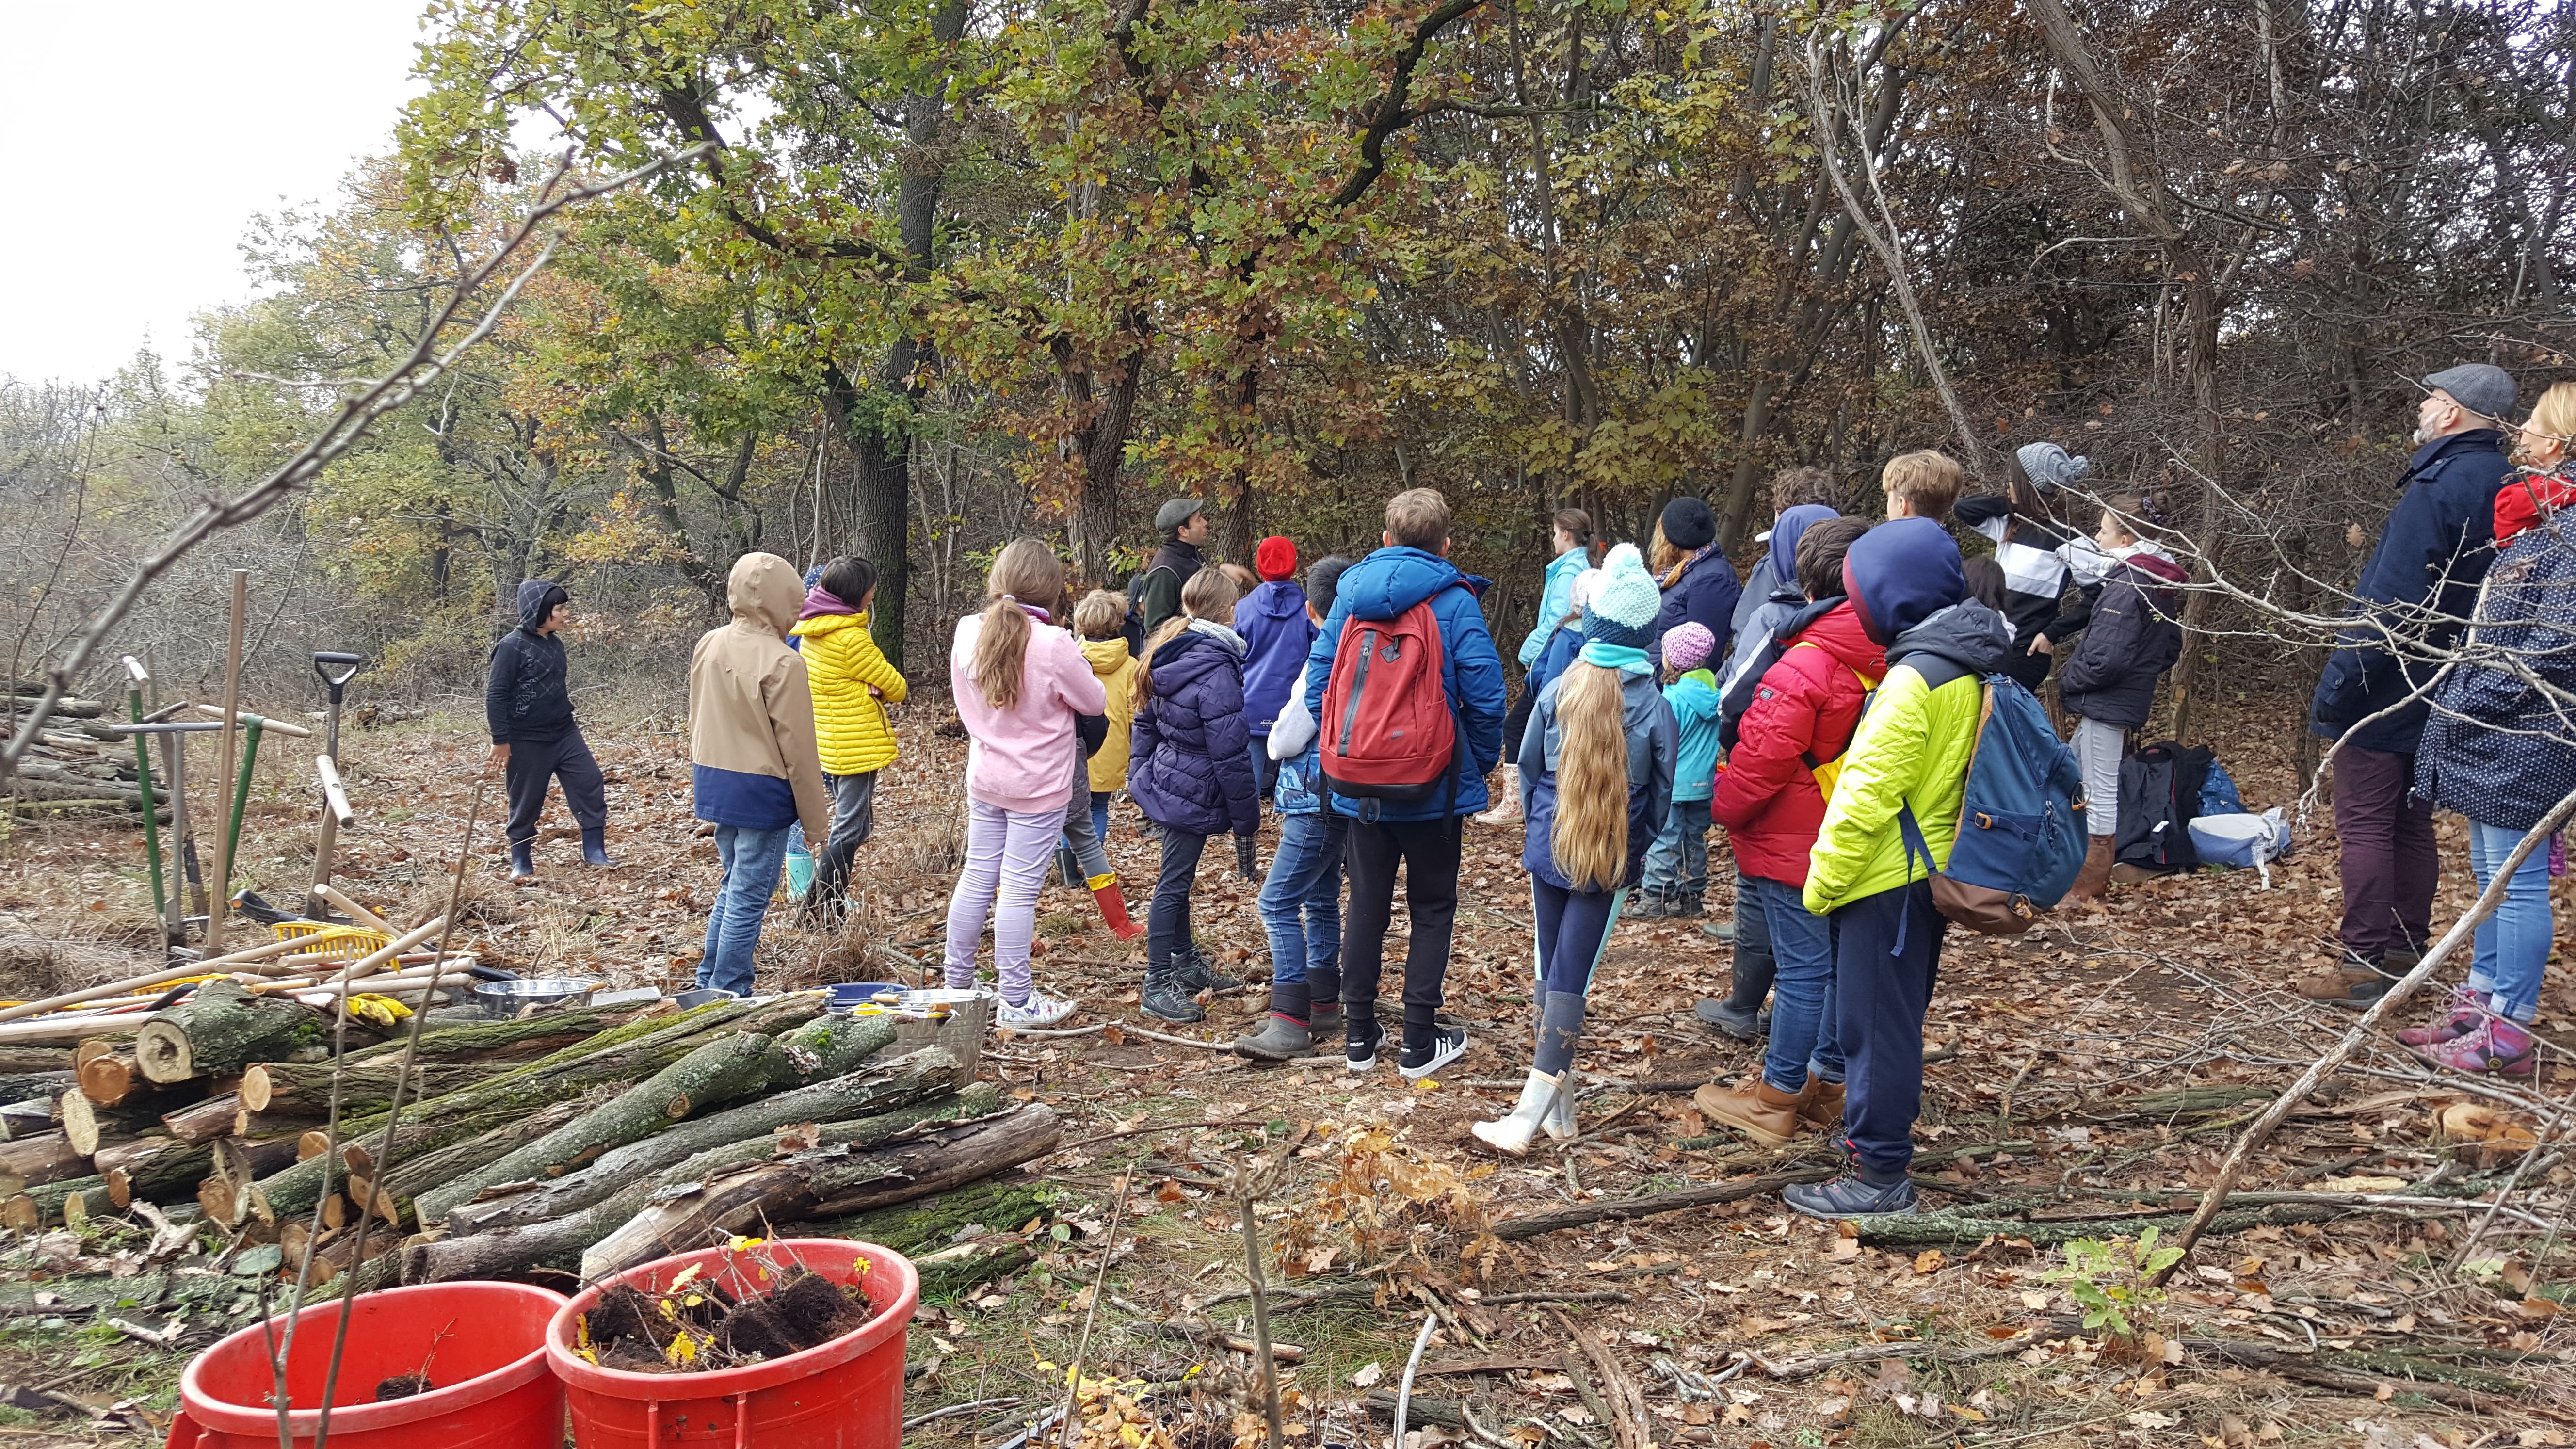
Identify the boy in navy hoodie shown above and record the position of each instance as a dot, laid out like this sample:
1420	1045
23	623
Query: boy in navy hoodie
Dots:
1423	836
527	702
1277	634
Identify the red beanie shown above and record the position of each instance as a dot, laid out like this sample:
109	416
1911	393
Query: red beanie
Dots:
1275	558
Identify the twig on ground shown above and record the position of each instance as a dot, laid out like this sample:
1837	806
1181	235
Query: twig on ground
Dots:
1404	1389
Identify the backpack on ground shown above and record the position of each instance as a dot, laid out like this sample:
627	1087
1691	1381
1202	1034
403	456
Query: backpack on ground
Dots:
2021	837
2160	790
1388	732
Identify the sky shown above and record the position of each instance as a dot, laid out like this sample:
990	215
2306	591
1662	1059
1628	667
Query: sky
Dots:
150	132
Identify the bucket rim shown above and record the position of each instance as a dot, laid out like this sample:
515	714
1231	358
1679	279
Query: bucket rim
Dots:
891	1319
225	1416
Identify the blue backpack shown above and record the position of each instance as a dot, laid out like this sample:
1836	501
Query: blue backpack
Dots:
2021	836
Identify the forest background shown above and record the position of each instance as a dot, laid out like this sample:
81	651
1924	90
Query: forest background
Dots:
958	272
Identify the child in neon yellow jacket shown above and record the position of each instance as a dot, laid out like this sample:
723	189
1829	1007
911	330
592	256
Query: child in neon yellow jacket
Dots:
1910	754
853	683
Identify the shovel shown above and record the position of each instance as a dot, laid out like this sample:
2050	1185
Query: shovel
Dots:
336	670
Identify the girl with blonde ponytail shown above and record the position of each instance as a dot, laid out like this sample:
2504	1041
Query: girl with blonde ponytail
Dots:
1019	682
1596	783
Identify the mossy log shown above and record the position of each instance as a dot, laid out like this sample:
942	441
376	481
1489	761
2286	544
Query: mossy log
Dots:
825	1182
22	1086
45	1202
205	1120
291	1191
1946	1230
829	1046
293	1088
515	1040
917	1229
415	1170
157	1169
894	1083
220	1029
26	1162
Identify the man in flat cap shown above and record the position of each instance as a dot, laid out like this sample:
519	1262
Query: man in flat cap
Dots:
1184	526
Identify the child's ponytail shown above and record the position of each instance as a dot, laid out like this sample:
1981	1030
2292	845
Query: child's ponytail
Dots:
1590	837
1027	571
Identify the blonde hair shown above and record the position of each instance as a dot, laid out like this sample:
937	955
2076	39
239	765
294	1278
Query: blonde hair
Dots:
1418	518
1661	555
1026	572
1209	594
1590	837
2553	417
1927	478
1100	615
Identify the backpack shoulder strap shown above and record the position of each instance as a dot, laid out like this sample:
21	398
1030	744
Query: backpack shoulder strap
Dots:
1937	670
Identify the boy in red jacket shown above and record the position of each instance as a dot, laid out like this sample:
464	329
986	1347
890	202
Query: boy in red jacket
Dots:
1771	799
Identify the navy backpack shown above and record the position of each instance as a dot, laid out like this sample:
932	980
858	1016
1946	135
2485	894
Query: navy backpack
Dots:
2021	836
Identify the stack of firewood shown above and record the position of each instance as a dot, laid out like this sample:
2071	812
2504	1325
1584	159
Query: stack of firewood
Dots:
586	1138
76	762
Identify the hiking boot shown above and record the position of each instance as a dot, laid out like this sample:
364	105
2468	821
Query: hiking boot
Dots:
1362	1038
1438	1048
1649	903
1038	1012
1722	930
523	861
1734	1020
2096	872
1196	973
1507	799
2494	1047
1850	1196
1165	997
1511	1134
594	847
1279	1038
2354	982
1824	1108
1757	1109
1684	904
2457	1018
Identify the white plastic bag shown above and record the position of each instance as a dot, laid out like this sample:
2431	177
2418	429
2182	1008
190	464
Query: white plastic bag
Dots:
2242	840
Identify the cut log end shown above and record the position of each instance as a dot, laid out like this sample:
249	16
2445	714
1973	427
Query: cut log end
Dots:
163	1053
120	1189
255	1089
108	1077
80	1122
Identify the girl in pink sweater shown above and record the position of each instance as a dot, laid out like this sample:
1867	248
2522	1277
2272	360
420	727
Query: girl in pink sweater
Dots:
1020	682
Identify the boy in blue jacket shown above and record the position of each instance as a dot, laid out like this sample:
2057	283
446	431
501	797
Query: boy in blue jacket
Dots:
1423	836
1278	630
1677	865
527	702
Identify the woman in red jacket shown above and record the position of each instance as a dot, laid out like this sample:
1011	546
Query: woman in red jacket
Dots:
1771	799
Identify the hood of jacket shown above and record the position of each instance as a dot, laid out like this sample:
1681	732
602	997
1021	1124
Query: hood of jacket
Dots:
1392	580
1786	530
1277	599
1192	655
1966	633
816	625
2158	568
1901	573
1831	625
1107	656
764	589
537	598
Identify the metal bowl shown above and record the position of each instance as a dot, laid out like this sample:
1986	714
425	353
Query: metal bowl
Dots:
700	996
543	993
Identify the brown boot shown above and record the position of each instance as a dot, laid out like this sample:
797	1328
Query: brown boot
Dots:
1767	1116
2096	872
1824	1109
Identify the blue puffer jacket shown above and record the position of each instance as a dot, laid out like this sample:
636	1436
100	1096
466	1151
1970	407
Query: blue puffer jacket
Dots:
2497	750
1653	747
1276	635
1189	765
1705	594
2433	553
1561	648
528	697
1383	586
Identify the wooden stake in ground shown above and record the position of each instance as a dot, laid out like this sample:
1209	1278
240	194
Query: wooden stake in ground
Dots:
1260	1303
221	895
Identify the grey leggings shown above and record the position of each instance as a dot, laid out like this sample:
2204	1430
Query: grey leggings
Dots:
2098	748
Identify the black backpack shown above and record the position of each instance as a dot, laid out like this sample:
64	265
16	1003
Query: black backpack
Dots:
2159	795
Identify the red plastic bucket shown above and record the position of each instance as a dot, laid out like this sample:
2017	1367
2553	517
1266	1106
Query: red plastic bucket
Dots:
482	1343
846	1394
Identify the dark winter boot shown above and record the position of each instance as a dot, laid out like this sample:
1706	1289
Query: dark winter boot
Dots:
1324	1007
1164	997
1196	973
523	861
1068	866
1244	858
1684	904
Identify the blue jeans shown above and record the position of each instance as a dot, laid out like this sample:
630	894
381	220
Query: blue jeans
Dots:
751	862
1265	770
1803	1038
1301	901
2513	944
1100	816
1678	860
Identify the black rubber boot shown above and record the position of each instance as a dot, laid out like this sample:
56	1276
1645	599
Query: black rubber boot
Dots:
1244	858
594	847
1286	1033
523	860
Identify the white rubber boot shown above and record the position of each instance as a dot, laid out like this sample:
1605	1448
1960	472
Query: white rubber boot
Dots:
1560	1118
1512	1134
1506	808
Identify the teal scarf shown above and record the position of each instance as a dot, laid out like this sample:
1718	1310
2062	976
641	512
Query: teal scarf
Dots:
1616	656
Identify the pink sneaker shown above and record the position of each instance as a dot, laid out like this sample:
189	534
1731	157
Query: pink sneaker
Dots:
2494	1046
2458	1017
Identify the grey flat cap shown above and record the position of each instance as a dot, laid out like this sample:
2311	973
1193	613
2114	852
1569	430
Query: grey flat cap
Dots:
2482	388
1181	510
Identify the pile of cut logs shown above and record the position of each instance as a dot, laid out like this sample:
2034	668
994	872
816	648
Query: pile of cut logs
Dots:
76	763
587	1138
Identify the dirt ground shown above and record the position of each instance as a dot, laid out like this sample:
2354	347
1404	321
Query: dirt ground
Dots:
2358	1303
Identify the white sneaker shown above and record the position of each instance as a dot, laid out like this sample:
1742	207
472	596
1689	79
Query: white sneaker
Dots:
1040	1010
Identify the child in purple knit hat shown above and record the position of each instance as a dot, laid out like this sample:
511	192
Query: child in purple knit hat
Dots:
1677	866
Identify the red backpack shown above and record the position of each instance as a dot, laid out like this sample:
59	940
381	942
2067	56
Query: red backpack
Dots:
1387	731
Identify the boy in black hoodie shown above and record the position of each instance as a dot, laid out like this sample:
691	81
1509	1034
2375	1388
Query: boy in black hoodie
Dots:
528	704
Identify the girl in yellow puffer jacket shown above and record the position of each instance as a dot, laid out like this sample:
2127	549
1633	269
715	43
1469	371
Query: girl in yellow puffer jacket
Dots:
852	684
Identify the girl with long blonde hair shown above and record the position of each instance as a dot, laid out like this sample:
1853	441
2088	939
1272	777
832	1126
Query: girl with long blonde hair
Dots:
1596	781
1019	682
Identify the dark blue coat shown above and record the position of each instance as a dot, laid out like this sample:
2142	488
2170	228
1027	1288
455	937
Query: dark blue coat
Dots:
1276	638
528	696
1562	647
2497	750
2433	553
1189	765
2133	636
1383	586
1705	594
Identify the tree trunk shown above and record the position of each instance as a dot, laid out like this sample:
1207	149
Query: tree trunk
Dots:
201	1121
516	1039
900	1082
221	1029
823	1182
88	1123
304	1088
45	1157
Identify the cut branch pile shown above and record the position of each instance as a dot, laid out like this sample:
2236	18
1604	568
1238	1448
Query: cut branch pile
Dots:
76	764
